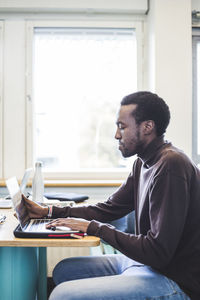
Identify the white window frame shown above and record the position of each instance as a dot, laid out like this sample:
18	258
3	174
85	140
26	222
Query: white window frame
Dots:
1	95
30	25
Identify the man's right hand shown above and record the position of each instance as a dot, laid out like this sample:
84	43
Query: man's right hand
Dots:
34	209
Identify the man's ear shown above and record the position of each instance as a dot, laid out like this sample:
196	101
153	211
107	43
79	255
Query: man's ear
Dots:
149	127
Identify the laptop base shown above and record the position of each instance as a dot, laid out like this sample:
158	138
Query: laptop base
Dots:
42	235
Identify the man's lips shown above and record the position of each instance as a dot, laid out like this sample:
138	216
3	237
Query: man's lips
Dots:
121	145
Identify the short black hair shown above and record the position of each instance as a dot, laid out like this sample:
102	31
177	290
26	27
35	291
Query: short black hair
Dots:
149	107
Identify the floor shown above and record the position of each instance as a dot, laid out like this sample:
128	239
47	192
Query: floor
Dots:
50	286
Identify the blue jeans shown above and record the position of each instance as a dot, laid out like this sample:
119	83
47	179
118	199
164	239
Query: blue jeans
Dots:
111	277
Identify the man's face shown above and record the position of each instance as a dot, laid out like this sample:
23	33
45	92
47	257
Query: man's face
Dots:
129	134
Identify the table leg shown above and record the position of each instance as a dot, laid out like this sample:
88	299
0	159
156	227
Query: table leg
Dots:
18	273
42	274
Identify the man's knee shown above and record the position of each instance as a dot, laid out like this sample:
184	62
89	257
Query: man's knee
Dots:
60	292
67	269
73	290
85	267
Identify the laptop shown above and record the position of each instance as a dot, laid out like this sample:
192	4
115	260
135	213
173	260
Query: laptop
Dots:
34	228
6	201
23	182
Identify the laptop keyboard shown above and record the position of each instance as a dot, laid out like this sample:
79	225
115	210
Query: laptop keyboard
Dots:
38	225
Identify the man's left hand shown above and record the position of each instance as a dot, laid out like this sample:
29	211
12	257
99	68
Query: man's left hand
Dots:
73	223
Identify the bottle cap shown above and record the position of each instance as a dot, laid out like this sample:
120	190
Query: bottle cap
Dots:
38	164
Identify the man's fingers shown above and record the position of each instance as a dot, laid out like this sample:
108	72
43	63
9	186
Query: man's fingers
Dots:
53	221
27	201
59	222
73	223
34	209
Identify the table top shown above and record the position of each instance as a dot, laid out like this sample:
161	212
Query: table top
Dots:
7	239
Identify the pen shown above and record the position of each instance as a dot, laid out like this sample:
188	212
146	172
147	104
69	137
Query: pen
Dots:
53	228
2	219
76	236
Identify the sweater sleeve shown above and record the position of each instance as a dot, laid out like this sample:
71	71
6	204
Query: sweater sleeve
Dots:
117	206
167	211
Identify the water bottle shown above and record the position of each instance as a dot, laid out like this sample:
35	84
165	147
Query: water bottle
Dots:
38	183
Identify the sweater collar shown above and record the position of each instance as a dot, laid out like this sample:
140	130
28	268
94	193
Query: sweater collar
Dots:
149	152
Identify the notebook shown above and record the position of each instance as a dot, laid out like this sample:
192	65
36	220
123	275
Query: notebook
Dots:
34	228
66	197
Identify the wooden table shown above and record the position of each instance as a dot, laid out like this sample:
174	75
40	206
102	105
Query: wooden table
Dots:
23	263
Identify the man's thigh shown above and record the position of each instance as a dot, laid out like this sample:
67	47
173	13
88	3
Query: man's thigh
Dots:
91	266
137	282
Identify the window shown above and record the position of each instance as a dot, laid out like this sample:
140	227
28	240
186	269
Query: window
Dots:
196	95
79	76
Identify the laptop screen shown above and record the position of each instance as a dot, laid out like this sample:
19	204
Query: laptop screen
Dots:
18	202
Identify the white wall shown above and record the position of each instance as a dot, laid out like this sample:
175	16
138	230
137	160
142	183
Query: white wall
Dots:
196	5
136	6
14	98
170	64
1	97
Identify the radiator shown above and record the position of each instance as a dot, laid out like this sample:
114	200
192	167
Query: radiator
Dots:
56	254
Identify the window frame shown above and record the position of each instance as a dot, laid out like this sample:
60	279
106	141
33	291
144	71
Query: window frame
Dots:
195	40
98	174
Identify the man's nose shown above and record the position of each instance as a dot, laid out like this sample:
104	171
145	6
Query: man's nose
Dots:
117	134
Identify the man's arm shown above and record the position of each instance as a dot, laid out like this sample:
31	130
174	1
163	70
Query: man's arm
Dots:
168	214
117	206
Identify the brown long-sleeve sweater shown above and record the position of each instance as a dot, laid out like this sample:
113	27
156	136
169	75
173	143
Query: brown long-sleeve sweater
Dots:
164	191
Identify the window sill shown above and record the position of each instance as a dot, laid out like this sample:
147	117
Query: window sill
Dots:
82	183
76	183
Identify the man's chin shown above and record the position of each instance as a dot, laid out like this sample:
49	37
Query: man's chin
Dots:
125	154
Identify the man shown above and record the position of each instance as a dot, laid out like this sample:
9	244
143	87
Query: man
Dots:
162	259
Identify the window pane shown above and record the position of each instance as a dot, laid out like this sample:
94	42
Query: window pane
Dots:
80	77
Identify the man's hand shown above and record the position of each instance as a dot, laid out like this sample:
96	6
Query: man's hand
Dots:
35	210
73	223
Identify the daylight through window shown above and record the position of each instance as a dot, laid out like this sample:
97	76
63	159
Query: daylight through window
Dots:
80	77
